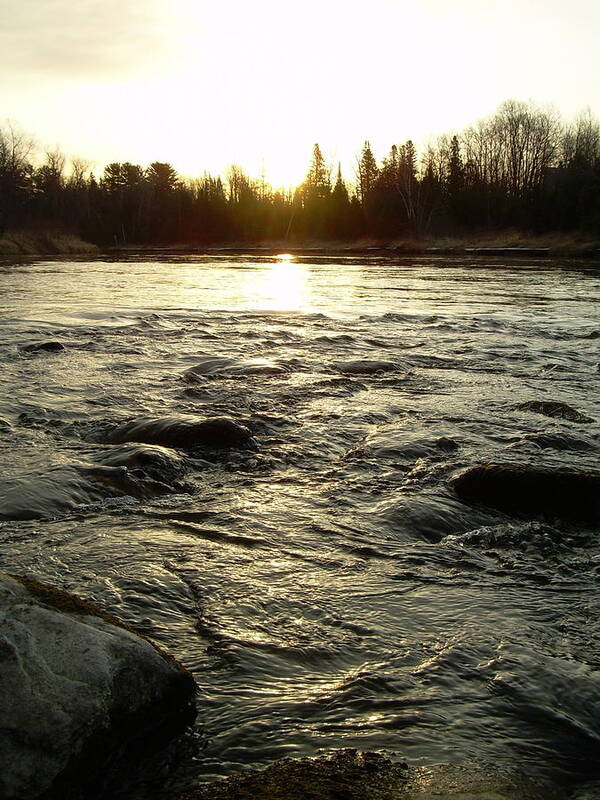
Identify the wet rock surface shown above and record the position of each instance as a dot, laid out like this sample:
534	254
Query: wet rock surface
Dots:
77	690
160	463
404	445
44	347
350	775
529	490
212	366
559	441
557	410
183	432
64	489
365	367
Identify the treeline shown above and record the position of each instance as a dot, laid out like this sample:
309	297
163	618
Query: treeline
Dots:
523	168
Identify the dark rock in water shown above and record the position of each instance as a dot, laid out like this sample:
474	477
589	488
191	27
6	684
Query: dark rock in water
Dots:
80	693
44	347
349	775
365	367
430	516
533	536
60	490
445	443
183	432
148	460
223	367
558	441
404	445
555	409
532	491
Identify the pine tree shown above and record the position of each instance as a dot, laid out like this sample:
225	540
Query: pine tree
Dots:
341	219
340	192
317	182
455	168
367	173
455	178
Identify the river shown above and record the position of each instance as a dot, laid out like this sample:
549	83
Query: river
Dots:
326	587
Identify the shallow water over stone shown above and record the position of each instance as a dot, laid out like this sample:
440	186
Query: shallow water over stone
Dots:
319	576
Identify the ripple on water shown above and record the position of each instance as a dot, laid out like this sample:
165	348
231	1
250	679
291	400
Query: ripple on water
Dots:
326	585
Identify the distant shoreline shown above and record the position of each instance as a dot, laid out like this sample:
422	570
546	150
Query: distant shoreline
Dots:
508	244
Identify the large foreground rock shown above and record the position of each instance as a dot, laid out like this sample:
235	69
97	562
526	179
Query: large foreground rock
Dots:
532	491
182	432
348	775
76	688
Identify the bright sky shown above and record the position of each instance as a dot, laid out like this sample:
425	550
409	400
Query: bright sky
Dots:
203	83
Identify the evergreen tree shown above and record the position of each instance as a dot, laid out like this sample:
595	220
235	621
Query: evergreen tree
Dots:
455	176
455	168
317	183
367	173
340	192
340	216
312	209
386	209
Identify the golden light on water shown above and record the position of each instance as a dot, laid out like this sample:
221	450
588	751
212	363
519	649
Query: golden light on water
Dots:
285	285
280	286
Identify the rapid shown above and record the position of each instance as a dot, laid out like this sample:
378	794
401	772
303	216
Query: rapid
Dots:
325	585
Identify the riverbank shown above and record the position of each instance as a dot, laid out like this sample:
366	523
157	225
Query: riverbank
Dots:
34	243
507	243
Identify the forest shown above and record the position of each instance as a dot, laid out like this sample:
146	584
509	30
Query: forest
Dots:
522	168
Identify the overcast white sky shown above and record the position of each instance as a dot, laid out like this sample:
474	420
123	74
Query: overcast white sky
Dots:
202	83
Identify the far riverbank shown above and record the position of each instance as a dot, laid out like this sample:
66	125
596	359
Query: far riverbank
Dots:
503	244
507	244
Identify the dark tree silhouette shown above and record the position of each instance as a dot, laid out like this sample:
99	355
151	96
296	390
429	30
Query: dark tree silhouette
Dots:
521	167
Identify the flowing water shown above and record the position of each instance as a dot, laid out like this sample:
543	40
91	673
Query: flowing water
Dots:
326	587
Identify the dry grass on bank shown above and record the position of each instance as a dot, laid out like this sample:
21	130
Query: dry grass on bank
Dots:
23	242
555	242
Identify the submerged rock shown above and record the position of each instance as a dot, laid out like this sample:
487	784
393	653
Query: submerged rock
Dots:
365	367
76	688
159	463
554	409
60	490
430	516
221	367
183	432
44	347
527	490
349	775
557	441
403	445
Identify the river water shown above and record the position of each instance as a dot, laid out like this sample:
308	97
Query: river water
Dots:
325	587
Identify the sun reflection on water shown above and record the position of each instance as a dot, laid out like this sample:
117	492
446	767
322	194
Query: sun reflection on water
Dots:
284	286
